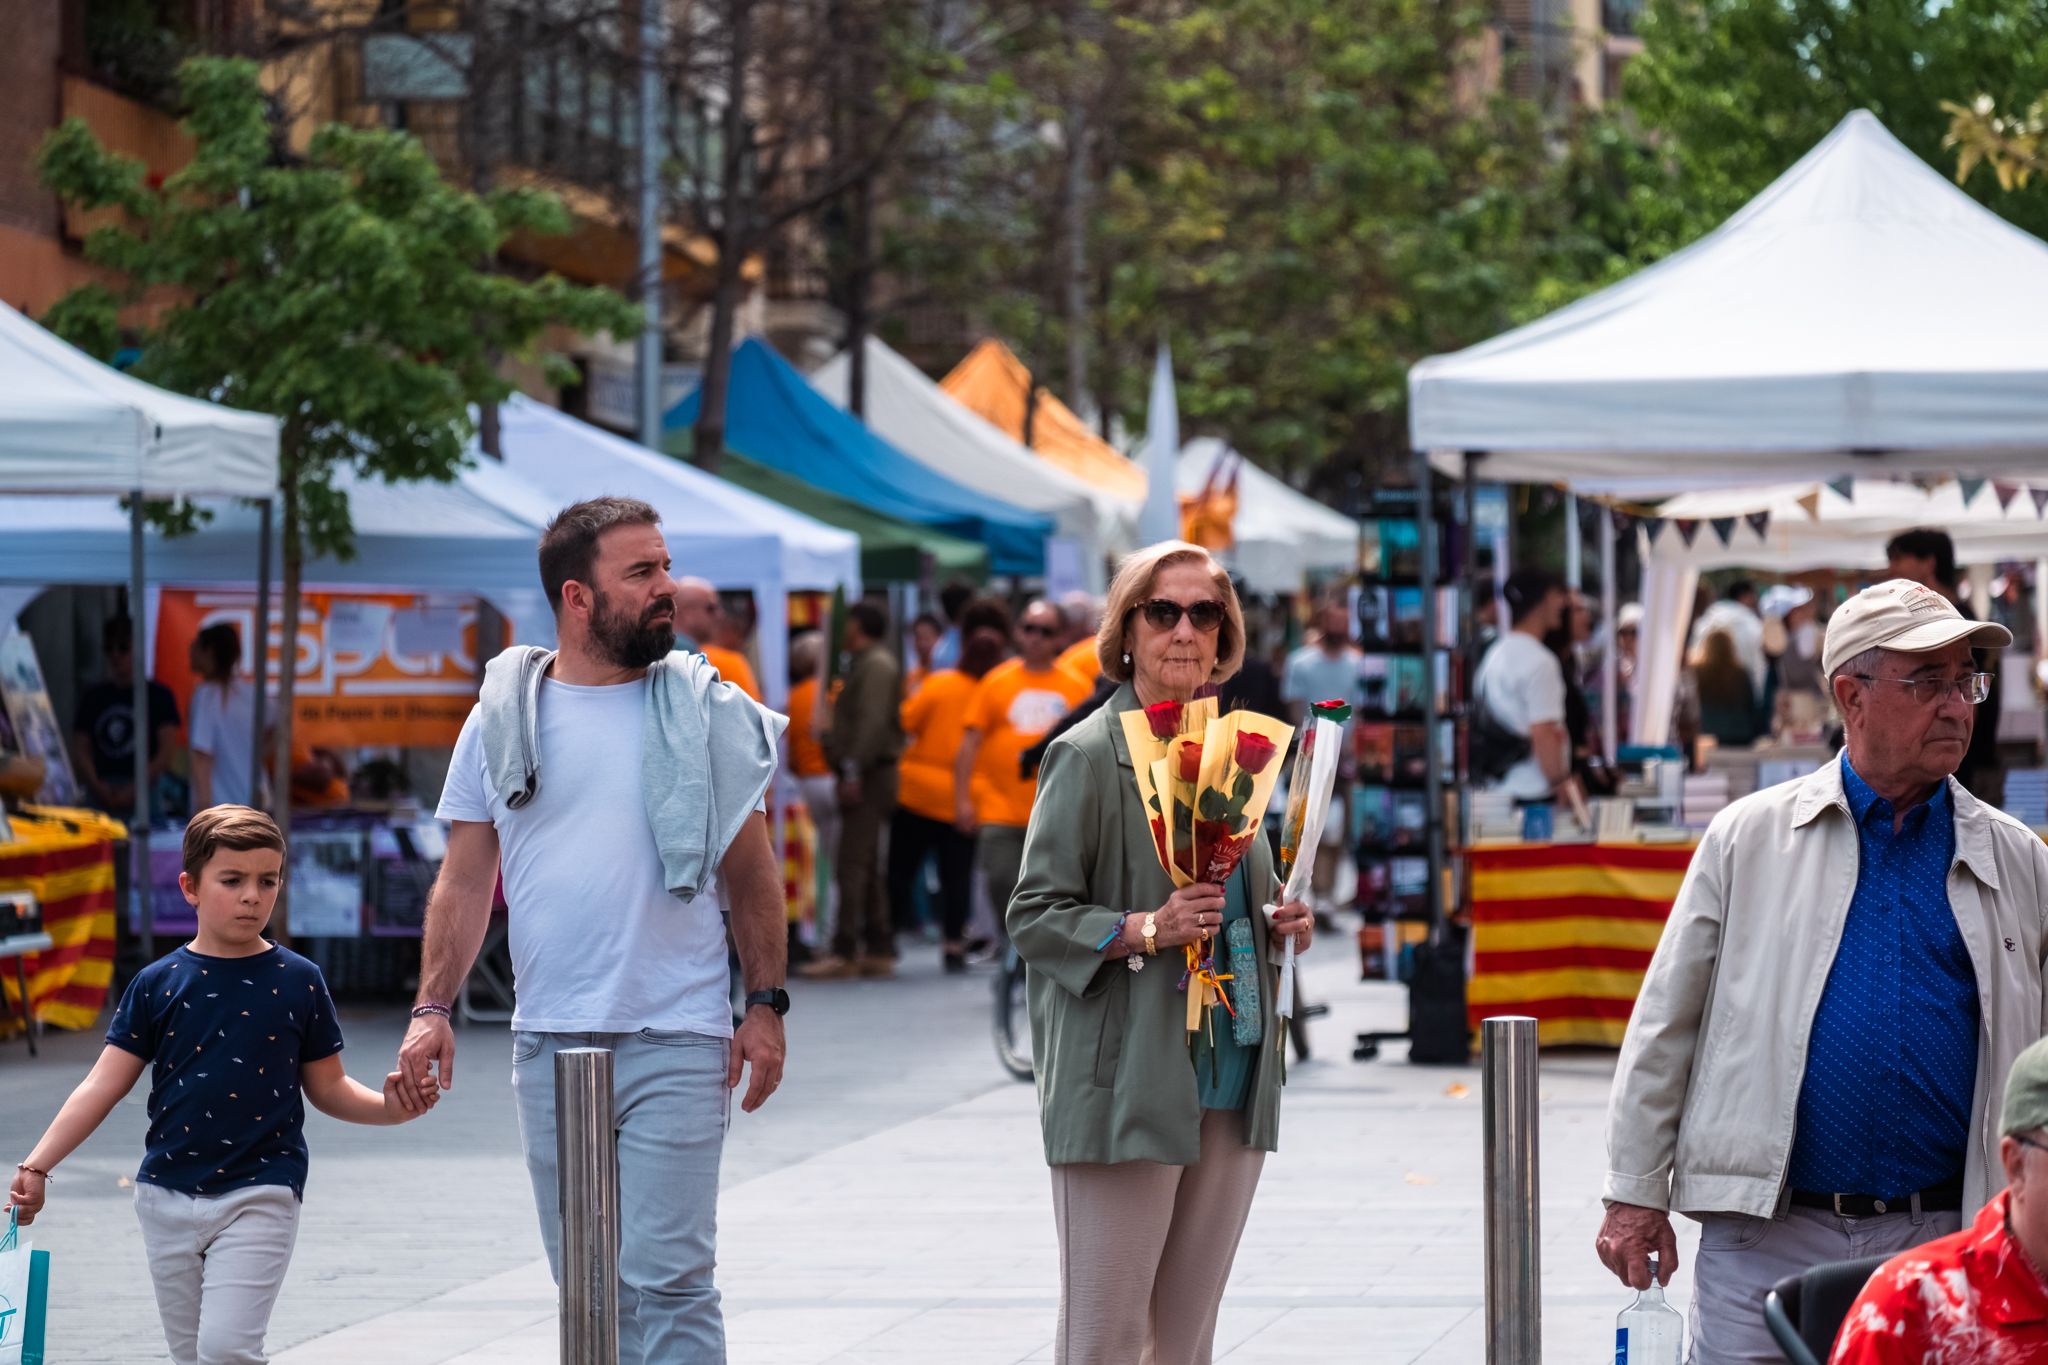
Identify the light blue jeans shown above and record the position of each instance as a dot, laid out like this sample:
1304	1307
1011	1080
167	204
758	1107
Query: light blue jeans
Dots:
671	1107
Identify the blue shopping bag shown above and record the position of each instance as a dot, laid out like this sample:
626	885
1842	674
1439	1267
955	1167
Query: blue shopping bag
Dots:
24	1297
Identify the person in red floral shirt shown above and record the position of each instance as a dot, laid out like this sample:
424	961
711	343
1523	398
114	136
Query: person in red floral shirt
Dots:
1979	1296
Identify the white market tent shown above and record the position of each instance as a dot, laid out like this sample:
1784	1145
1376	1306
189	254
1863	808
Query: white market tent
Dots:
69	424
922	420
1845	532
1279	535
475	535
1861	315
715	530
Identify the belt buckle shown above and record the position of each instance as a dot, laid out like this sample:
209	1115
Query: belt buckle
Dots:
1840	1212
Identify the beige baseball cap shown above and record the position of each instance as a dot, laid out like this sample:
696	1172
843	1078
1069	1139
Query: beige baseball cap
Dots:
1905	616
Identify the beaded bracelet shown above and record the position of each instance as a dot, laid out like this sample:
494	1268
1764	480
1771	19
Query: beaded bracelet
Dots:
1114	934
34	1170
432	1007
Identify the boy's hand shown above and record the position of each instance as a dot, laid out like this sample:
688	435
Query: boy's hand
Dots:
25	1196
398	1097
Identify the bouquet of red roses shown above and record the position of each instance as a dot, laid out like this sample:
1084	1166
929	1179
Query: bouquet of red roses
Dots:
1207	780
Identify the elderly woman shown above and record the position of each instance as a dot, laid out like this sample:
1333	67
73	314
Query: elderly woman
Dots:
1155	1141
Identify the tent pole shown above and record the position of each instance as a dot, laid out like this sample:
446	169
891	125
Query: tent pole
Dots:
1610	663
1574	545
259	646
1433	768
138	828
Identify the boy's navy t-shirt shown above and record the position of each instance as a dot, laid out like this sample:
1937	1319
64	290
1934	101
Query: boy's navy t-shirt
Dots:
227	1036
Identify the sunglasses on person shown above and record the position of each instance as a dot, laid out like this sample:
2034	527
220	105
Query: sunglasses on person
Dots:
1163	613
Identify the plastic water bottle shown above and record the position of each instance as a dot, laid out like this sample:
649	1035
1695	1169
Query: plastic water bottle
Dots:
1649	1331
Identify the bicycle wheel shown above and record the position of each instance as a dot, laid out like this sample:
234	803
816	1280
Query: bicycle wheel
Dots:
1013	1018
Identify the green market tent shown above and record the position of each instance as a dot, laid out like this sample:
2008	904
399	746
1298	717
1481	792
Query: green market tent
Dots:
891	551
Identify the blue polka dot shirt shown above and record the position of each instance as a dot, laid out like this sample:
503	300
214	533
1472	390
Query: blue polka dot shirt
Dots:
1892	1063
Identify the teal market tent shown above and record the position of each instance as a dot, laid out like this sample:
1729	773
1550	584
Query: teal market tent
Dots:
775	418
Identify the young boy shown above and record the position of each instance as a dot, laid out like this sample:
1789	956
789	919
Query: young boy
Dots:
235	1029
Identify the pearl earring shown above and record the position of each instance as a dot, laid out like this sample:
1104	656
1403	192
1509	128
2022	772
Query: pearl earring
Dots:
1127	661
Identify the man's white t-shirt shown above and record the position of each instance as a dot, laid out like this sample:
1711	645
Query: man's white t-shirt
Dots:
598	943
222	724
1522	684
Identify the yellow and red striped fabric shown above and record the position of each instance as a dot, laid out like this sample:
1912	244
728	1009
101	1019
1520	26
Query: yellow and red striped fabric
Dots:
66	862
1564	933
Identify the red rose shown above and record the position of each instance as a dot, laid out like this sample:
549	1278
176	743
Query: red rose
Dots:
1254	751
1164	718
1336	711
1190	762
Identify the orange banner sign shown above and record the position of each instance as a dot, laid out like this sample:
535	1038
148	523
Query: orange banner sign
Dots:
374	669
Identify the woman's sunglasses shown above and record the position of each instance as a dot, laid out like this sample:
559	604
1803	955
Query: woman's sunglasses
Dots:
1163	613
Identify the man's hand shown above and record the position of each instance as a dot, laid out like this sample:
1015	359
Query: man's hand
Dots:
429	1043
399	1109
757	1041
25	1196
1628	1235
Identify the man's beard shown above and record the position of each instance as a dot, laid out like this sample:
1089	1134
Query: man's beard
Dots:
630	642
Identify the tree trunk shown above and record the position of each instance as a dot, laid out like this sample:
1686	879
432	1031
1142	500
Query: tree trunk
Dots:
859	285
287	673
734	238
709	436
1074	206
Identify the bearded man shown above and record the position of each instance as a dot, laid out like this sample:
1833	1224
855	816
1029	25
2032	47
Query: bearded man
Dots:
615	783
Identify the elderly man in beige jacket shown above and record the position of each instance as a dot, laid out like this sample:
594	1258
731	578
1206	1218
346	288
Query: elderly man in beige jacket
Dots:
1853	963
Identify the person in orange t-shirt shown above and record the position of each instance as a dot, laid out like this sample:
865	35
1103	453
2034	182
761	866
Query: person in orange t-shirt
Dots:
813	774
924	638
699	617
934	719
1012	708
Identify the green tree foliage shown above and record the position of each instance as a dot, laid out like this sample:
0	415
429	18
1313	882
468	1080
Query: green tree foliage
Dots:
347	293
1735	91
1305	196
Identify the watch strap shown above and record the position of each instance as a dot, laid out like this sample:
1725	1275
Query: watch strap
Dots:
776	999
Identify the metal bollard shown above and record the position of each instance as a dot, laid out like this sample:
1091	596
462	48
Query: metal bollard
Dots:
1514	1296
587	1155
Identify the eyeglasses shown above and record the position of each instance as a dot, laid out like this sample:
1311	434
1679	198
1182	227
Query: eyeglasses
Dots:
1971	687
2023	1140
1163	613
1028	628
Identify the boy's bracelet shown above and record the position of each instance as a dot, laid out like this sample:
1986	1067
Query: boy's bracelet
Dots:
421	1011
33	1170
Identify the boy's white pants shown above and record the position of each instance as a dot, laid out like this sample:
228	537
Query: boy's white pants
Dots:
218	1262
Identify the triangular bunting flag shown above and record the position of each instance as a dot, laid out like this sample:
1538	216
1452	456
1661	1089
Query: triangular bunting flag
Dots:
1971	488
1845	488
2040	496
1759	522
1688	531
2006	493
1810	504
1653	527
1724	527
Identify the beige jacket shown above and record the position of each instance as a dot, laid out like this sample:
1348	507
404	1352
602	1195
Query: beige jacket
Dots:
1708	1083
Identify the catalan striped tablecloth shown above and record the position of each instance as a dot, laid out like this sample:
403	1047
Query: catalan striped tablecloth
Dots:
1564	933
66	862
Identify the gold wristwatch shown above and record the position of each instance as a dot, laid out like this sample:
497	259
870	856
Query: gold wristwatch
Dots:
1152	934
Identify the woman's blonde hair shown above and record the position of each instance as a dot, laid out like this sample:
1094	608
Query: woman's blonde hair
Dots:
1133	585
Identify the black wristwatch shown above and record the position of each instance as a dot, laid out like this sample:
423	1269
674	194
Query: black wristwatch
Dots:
777	1000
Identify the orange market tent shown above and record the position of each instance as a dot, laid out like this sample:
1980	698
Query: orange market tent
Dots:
992	382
